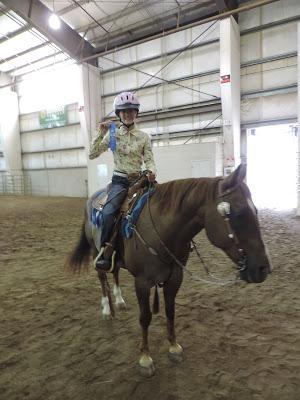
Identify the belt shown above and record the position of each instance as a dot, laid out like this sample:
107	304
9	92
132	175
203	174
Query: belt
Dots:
122	174
130	177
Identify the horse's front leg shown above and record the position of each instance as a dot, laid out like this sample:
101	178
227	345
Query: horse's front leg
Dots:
120	303
170	289
143	295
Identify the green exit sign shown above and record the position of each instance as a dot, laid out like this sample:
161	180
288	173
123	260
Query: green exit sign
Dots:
53	118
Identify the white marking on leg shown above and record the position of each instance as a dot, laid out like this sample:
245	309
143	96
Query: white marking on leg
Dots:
105	307
120	303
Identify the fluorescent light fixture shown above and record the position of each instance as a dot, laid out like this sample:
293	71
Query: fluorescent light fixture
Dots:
54	22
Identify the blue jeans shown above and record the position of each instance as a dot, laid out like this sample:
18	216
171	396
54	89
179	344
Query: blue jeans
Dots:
116	196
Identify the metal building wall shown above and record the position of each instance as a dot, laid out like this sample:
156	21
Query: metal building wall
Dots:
168	110
268	74
54	159
269	63
195	68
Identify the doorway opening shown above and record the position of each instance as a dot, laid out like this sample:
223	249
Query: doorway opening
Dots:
272	167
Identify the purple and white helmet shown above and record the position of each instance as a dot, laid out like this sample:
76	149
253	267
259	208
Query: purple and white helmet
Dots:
125	101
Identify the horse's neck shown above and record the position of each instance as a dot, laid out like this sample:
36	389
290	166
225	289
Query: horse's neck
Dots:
186	214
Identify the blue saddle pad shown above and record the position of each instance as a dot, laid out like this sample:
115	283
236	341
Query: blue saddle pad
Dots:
130	220
96	214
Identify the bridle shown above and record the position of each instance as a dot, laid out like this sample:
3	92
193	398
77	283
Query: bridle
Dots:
224	210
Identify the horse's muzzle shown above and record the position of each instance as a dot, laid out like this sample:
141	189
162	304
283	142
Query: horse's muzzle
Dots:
257	273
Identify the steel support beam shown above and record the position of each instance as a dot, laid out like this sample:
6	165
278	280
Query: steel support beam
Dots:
36	14
227	5
222	5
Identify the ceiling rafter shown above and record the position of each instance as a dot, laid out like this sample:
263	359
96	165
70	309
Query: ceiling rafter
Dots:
112	17
137	31
66	38
225	5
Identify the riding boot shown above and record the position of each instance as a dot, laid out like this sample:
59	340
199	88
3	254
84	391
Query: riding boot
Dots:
103	261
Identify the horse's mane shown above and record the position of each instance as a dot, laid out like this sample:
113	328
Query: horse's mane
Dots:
171	194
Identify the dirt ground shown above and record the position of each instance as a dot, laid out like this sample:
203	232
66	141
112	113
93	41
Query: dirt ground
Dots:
240	341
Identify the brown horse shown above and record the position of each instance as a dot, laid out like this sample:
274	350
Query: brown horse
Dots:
176	212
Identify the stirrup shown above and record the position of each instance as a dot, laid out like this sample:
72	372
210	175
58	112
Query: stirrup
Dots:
108	265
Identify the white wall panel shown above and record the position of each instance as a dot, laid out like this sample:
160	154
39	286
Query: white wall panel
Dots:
176	41
66	182
69	182
266	108
125	56
52	139
109	82
180	124
279	10
249	19
125	79
153	68
30	121
33	161
206	58
269	75
176	162
251	78
269	13
149	99
105	63
279	40
32	141
280	76
149	49
181	66
207	31
73	116
251	47
268	43
280	106
55	159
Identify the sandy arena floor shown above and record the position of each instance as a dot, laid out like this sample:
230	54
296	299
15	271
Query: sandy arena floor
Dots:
241	342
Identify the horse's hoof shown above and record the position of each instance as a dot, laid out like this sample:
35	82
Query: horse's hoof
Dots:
176	353
146	366
121	306
106	317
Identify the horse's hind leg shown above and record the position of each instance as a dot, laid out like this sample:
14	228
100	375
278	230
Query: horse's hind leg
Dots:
170	289
143	295
105	307
120	303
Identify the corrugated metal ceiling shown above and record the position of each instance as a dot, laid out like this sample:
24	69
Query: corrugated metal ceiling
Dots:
104	24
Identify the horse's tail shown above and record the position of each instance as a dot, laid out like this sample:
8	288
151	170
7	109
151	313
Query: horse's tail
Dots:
79	257
155	307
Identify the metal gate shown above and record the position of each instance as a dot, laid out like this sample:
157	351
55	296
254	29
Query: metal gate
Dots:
15	184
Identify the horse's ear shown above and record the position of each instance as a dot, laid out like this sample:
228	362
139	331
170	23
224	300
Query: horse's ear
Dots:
235	178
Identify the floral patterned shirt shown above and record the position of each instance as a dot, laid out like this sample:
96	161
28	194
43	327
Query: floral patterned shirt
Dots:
133	149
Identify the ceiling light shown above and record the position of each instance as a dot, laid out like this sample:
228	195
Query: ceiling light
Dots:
54	21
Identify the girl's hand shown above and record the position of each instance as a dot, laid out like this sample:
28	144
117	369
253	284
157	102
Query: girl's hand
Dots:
104	127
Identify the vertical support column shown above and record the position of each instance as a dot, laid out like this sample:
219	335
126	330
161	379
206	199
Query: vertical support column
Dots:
10	143
90	116
298	152
230	92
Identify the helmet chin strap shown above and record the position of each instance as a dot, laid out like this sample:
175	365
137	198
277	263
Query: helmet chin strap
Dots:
127	125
